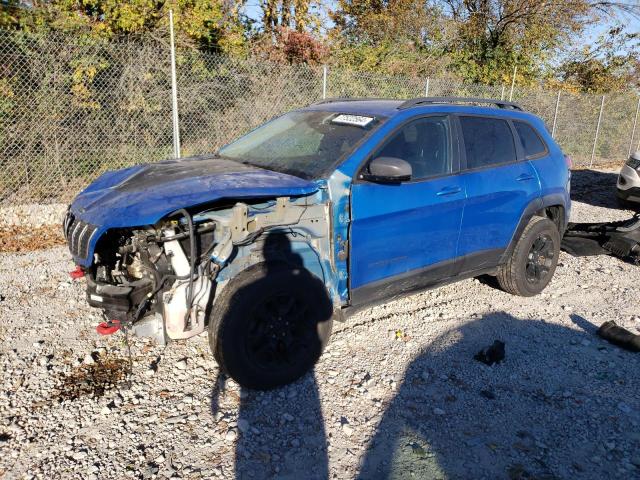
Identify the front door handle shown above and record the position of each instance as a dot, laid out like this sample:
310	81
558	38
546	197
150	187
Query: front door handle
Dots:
449	191
524	177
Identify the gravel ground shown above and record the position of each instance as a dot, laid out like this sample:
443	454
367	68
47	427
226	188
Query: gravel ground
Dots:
397	392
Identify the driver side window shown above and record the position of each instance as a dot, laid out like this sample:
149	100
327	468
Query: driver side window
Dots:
424	143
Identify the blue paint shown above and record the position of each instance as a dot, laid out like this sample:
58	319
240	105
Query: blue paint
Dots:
496	200
339	186
106	204
398	228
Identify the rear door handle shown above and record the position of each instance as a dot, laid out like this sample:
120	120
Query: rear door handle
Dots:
449	191
524	177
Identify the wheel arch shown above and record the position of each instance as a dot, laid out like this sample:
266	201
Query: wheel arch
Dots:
298	253
551	207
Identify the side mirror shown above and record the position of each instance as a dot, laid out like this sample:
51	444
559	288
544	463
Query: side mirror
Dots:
388	170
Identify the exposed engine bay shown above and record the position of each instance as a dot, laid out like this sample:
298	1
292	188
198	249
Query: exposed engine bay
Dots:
161	280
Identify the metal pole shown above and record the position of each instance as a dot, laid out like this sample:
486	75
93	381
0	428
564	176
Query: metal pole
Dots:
426	88
324	82
555	116
513	82
174	93
502	94
633	131
595	139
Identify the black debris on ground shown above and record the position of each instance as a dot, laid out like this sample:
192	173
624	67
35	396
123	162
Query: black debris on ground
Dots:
492	354
613	333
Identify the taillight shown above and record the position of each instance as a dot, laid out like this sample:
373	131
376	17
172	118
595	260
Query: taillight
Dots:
568	161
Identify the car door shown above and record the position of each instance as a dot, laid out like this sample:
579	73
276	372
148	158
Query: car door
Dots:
500	184
405	235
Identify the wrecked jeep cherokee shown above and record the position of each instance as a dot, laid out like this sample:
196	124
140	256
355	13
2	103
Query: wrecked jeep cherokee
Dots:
316	214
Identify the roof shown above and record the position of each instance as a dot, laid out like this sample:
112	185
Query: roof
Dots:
389	108
383	107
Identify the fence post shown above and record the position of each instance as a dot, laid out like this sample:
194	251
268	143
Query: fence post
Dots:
502	94
595	138
513	82
174	93
555	117
426	88
324	82
633	131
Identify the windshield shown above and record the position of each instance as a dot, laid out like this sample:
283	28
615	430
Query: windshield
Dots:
308	144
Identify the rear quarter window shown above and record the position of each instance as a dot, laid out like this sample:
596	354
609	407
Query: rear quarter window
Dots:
487	141
531	141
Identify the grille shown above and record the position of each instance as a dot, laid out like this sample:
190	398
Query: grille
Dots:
78	235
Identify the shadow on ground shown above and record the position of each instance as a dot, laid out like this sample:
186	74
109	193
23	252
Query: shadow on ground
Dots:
596	188
562	405
281	432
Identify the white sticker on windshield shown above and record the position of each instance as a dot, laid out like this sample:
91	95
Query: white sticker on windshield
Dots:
357	120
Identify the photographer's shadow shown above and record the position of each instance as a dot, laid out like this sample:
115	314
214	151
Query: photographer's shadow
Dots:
280	433
547	411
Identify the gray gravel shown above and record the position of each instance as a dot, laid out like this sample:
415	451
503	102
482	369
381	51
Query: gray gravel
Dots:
396	392
32	215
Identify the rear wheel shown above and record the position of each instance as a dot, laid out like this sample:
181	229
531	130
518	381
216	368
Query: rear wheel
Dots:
533	260
270	325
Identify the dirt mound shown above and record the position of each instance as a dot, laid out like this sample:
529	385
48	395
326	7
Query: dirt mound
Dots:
26	239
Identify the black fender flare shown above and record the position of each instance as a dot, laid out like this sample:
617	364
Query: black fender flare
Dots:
535	206
553	200
530	210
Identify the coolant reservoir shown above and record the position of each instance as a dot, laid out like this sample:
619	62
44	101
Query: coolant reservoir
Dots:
175	308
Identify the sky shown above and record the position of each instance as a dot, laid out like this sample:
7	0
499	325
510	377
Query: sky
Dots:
253	11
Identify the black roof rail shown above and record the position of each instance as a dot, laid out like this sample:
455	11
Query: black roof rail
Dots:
414	102
347	99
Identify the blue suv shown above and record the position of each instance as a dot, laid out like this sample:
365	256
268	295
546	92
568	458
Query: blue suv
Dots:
316	214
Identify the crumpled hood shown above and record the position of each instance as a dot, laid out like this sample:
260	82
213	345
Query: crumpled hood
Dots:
144	194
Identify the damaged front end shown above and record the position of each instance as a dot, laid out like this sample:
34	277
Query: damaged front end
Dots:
161	280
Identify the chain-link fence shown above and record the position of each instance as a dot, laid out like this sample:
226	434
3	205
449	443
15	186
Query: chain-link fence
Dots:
71	107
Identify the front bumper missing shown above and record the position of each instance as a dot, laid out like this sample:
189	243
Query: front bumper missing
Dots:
117	299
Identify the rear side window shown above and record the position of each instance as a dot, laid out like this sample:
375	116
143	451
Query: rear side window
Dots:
487	141
531	141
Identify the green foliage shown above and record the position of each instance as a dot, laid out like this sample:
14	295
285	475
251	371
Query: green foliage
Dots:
209	25
477	41
612	64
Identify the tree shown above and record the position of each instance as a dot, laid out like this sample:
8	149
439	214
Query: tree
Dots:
612	64
209	25
480	40
285	13
398	36
291	47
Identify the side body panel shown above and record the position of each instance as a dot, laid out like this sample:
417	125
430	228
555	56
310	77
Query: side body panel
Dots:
553	173
497	197
399	228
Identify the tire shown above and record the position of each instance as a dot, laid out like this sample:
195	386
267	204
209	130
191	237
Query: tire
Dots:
270	325
533	260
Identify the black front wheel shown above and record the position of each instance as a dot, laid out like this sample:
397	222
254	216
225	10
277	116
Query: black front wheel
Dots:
270	325
533	260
